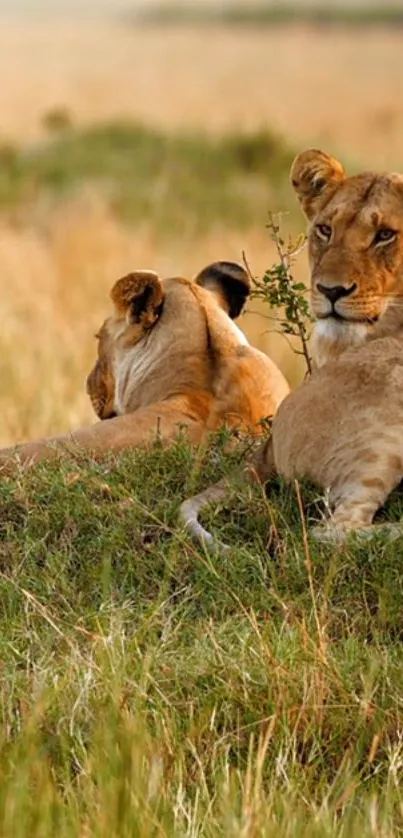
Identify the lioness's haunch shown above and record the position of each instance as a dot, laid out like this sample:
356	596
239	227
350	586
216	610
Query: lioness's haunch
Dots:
343	428
170	355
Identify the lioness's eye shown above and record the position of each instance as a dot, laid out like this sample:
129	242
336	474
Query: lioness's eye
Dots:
384	235
324	231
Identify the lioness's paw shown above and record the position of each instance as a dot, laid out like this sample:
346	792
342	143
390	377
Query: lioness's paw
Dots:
329	534
338	534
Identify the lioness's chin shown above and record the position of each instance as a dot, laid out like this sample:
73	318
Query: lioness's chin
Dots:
331	336
340	326
334	317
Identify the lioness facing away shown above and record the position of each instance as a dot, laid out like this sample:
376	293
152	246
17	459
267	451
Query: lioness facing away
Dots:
343	427
170	355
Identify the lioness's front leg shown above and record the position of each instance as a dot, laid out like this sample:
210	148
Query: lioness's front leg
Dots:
358	497
112	435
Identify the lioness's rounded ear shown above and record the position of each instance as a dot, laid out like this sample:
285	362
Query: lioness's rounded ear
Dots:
314	176
229	282
139	297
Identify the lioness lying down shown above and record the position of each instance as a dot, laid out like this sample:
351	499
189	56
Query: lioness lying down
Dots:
170	355
343	428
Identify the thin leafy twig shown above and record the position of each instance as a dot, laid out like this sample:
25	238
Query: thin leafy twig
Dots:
248	269
279	289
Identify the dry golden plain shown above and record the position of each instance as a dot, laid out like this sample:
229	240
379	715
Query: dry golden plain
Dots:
339	89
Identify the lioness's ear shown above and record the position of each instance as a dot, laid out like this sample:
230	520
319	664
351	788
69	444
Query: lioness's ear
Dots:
230	284
139	297
315	176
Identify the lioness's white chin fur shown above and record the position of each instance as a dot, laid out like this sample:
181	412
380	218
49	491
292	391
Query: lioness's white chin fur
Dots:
331	337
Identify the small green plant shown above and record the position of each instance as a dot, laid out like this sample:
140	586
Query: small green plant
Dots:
57	120
287	297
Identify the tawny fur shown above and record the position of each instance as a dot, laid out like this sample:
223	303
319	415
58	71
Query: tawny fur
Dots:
343	428
169	356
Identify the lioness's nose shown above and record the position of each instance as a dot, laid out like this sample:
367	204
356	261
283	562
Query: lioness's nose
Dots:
335	292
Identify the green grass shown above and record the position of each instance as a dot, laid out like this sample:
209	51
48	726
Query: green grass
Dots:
272	14
178	182
150	690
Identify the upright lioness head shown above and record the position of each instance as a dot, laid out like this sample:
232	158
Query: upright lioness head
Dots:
355	241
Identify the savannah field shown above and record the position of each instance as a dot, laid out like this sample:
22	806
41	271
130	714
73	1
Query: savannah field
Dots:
63	238
148	690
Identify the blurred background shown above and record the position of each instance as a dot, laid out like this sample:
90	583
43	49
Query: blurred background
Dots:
160	135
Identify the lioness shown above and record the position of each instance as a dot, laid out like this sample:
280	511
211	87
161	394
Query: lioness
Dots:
343	428
170	355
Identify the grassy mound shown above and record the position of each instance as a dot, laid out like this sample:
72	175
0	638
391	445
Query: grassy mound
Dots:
176	181
150	690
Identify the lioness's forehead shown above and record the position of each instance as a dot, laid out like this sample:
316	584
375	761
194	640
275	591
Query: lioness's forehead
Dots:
368	198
